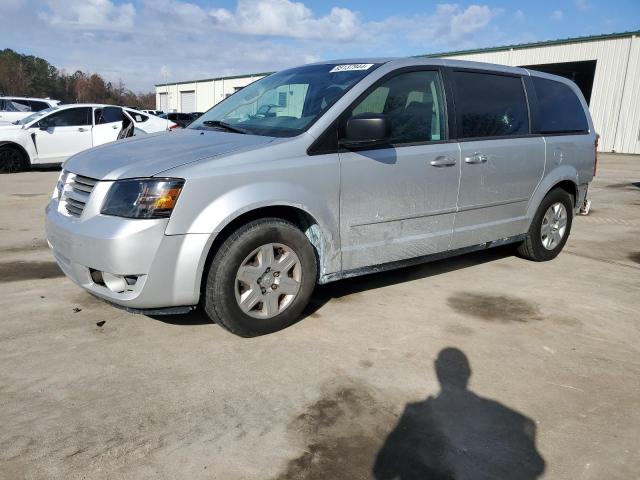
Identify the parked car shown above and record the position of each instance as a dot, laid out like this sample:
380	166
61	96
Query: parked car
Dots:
363	167
16	108
54	134
182	120
153	112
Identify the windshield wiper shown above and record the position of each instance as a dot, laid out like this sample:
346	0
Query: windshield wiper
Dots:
224	125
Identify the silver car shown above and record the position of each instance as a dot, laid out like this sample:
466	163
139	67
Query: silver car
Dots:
323	172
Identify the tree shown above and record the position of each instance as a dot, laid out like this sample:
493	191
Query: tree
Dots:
31	76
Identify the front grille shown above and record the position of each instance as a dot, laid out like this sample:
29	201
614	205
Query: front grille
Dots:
77	190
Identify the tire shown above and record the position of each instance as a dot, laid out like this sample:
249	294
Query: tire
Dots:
539	246
238	275
12	160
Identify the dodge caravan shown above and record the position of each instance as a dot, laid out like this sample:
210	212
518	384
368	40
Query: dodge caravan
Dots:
324	172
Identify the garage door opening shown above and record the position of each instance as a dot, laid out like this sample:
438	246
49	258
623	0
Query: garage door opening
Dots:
188	101
581	73
164	102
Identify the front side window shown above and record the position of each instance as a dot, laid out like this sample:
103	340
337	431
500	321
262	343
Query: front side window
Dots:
70	117
559	109
414	104
285	103
108	115
489	105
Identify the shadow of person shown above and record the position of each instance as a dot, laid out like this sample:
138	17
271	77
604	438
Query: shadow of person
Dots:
459	435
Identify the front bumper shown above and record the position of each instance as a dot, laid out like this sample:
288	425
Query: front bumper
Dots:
167	268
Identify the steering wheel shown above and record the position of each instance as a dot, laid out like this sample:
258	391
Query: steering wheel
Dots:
264	110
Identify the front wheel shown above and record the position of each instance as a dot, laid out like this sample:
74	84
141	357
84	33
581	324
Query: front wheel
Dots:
12	160
261	278
550	227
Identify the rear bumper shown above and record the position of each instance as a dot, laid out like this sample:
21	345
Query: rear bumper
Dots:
167	268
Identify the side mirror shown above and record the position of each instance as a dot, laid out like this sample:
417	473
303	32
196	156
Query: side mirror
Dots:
42	125
366	129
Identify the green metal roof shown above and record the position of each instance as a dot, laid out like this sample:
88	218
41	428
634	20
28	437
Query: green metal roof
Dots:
231	77
519	46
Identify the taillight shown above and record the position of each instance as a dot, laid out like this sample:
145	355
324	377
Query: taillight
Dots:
173	127
595	155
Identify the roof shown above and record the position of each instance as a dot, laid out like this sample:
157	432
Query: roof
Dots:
519	46
18	97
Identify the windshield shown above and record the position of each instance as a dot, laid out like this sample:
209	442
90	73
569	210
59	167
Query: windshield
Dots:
286	103
34	116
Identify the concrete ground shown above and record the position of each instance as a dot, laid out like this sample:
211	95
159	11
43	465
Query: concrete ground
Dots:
552	350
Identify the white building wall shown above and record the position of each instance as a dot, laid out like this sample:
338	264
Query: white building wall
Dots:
208	92
628	131
616	120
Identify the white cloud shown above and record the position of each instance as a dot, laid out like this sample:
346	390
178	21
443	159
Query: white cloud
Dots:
581	5
89	14
286	19
133	40
557	15
450	25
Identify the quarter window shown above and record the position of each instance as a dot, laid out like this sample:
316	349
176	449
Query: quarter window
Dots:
37	106
414	104
71	117
489	105
138	117
559	109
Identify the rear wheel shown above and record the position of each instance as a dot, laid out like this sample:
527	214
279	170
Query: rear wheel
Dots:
261	278
12	160
550	227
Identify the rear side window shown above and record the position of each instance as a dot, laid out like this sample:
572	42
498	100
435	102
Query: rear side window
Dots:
489	105
559	109
17	105
108	115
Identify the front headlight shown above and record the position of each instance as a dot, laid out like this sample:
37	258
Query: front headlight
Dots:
143	197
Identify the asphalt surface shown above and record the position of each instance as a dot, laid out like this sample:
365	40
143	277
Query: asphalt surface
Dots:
538	370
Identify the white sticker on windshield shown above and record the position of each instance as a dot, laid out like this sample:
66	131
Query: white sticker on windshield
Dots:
351	67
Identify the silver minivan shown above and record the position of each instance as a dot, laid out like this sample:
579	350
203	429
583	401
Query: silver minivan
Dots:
324	172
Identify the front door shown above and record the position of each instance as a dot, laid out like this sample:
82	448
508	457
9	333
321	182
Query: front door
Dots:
399	201
108	123
502	164
64	133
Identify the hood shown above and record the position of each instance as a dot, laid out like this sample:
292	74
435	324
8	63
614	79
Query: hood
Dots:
9	126
149	155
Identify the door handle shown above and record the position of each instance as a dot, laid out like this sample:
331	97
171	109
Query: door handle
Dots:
115	126
82	129
443	162
476	158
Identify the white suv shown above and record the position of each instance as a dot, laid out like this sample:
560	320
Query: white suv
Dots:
54	134
16	108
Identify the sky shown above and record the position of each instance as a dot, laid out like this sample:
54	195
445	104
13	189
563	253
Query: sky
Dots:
145	42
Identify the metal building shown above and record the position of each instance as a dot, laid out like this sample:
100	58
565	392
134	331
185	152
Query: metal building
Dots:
200	95
605	67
